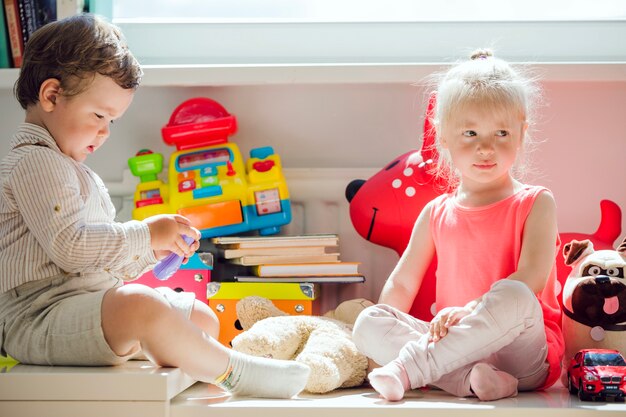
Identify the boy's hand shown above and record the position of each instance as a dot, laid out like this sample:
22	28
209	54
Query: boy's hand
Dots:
445	319
166	232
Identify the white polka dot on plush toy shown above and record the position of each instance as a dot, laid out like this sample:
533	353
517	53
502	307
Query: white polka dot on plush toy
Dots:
597	333
396	183
558	288
433	309
408	172
410	191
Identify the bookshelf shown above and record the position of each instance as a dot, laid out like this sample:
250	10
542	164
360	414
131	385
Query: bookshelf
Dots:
345	73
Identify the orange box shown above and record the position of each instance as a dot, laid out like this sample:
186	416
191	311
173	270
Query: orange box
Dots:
213	215
291	297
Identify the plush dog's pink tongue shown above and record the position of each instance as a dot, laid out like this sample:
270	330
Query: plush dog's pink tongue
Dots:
611	305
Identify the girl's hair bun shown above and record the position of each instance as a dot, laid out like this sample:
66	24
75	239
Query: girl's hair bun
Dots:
481	54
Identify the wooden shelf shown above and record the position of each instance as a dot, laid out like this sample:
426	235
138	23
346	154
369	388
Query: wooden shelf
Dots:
345	73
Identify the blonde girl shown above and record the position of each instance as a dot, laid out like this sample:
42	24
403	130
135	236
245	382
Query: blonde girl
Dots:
497	326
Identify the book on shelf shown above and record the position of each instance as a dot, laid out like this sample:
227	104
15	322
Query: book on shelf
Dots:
5	45
28	18
66	8
336	279
14	29
241	242
307	269
276	251
250	260
50	10
24	17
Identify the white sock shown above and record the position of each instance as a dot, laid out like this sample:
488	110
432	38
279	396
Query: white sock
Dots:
261	377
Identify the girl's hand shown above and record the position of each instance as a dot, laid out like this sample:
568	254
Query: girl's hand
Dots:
166	232
445	319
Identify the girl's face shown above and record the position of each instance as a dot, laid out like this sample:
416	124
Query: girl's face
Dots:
483	143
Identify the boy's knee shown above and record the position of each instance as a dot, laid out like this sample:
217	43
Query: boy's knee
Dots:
135	301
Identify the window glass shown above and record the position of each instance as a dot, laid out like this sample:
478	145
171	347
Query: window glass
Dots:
368	10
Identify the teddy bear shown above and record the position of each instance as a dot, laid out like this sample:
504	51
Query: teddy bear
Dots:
324	343
594	298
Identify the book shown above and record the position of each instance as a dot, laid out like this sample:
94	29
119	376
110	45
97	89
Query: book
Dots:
14	29
338	279
241	242
286	259
307	269
66	8
277	251
226	271
46	11
28	18
5	45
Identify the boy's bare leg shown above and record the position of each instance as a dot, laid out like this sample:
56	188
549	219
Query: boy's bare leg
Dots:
136	317
203	317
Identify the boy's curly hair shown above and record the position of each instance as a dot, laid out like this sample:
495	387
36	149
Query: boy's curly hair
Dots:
73	51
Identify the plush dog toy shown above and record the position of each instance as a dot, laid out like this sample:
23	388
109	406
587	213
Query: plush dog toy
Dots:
323	343
594	298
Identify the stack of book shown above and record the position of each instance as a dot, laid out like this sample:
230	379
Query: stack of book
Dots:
302	258
19	19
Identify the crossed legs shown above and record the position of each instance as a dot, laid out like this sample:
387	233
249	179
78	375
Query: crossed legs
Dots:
505	333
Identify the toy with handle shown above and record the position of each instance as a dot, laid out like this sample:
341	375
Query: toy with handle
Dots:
166	267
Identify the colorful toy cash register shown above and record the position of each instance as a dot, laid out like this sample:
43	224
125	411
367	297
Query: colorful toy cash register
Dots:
208	180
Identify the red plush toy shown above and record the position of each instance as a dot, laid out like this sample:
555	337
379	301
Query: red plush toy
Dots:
384	208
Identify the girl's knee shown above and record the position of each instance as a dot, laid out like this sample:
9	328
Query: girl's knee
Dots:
513	289
507	293
366	328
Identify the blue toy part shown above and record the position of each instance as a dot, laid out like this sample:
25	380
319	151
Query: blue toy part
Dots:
166	267
261	153
196	263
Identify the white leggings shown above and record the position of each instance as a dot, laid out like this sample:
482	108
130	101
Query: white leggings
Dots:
506	330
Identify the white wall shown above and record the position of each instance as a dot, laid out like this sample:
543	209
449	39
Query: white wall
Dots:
581	160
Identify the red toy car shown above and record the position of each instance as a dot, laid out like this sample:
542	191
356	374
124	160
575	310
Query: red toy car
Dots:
597	373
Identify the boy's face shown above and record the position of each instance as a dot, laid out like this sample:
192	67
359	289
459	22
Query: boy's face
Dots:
80	124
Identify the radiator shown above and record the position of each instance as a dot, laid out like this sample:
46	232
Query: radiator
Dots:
318	206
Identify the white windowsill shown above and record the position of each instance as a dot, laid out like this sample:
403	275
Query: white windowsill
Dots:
346	73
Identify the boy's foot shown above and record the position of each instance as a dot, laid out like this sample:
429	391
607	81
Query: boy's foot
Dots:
390	381
252	376
489	383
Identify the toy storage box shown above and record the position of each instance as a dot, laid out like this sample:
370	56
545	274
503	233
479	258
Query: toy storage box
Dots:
193	277
292	298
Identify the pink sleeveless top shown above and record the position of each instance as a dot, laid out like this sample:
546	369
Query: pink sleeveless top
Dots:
477	246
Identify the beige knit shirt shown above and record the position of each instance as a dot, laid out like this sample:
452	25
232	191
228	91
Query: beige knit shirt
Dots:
56	217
